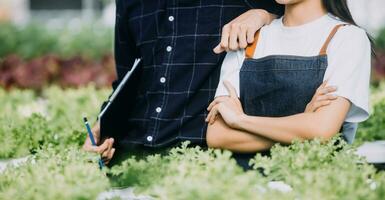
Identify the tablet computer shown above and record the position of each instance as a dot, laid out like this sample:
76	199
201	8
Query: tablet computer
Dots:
113	116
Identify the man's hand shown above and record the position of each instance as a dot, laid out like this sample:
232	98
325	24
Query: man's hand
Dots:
104	147
321	98
240	32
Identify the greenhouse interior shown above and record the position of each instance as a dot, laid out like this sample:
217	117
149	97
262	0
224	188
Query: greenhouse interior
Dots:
63	61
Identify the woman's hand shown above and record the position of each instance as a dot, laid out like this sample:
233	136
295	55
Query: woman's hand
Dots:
321	98
229	108
240	32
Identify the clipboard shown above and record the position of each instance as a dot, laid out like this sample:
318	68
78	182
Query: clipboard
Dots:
113	116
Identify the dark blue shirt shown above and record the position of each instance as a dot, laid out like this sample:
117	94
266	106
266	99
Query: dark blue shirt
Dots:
179	71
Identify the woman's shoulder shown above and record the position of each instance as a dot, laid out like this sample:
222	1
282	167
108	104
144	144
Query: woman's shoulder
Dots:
270	29
274	24
353	31
349	32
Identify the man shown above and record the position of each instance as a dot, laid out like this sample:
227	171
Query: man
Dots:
179	70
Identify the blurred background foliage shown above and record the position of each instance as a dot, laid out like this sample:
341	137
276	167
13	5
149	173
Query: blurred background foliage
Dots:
70	43
34	40
33	56
67	43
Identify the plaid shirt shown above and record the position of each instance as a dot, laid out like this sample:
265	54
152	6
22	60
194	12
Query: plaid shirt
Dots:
179	71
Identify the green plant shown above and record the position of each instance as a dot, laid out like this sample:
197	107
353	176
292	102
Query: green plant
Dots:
380	39
29	122
29	41
319	171
54	174
33	40
47	128
374	127
192	173
314	170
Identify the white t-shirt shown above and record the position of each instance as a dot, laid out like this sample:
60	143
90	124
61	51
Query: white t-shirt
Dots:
349	58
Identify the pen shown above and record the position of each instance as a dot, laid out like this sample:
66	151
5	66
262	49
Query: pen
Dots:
92	139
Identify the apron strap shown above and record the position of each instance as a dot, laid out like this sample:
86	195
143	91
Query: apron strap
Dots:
331	35
250	49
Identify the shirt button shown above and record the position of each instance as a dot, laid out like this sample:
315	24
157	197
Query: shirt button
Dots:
162	79
149	138
171	18
158	109
169	48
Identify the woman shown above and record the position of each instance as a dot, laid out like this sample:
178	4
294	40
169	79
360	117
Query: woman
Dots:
315	40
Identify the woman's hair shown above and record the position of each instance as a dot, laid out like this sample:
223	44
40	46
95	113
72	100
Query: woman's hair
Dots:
340	9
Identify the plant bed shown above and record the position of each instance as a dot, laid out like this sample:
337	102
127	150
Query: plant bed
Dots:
50	69
47	127
30	121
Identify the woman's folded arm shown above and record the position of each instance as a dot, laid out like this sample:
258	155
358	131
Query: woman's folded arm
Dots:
323	124
221	136
235	128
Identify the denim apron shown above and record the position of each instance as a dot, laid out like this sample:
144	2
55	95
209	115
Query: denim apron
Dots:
279	85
